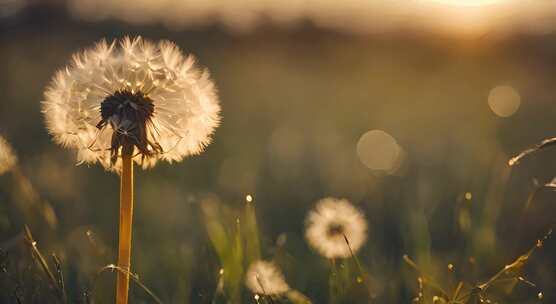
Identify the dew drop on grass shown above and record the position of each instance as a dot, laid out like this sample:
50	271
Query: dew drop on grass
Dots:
468	196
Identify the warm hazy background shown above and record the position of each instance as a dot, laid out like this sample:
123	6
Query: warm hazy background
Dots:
456	88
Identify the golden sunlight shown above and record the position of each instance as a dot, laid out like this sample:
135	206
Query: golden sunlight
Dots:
470	2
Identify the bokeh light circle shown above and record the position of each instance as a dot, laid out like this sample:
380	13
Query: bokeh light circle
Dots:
379	151
504	101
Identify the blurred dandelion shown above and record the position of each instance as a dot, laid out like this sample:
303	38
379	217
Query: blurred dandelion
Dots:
335	228
8	159
126	101
265	278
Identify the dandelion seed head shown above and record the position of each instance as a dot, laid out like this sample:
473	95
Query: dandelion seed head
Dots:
8	159
132	94
331	223
265	278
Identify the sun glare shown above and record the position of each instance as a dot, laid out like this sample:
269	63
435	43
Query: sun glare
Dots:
469	2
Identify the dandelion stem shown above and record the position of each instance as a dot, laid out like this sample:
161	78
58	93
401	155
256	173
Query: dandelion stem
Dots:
354	257
126	214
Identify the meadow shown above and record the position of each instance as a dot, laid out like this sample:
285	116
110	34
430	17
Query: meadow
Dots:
406	135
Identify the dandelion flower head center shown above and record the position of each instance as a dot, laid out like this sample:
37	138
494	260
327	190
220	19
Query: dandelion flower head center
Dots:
336	229
128	113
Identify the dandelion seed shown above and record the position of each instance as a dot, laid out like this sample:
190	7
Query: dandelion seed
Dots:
540	296
132	94
8	159
335	228
265	278
248	198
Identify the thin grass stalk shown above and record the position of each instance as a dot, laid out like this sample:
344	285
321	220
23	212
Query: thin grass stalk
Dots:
268	297
135	277
425	279
39	258
354	257
126	217
544	144
60	278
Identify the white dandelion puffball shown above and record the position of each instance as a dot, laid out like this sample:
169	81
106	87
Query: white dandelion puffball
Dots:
331	223
265	278
132	96
8	159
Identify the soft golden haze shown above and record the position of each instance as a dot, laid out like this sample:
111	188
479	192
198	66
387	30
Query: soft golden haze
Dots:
467	17
469	2
363	152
